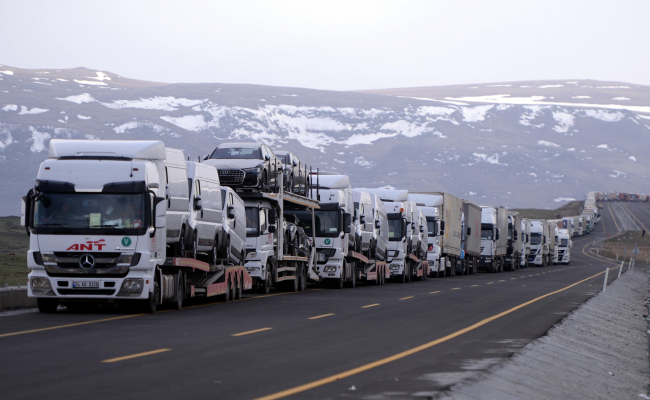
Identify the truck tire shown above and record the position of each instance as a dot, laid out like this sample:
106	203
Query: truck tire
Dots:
408	272
353	282
151	305
240	287
265	287
180	293
340	283
47	306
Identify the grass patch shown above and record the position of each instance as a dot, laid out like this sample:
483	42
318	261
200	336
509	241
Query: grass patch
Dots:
14	244
571	209
623	245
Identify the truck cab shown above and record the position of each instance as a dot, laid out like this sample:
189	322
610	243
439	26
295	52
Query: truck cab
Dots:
564	246
363	223
538	240
97	222
490	236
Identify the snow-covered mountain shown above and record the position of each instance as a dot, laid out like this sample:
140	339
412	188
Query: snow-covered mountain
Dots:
519	144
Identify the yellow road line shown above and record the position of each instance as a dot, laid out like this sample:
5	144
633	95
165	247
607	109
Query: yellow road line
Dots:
502	280
370	305
437	291
148	353
398	356
254	331
456	288
406	298
489	283
475	285
512	278
322	316
613	217
630	211
68	325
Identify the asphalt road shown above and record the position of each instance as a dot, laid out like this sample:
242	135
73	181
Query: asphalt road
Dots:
392	341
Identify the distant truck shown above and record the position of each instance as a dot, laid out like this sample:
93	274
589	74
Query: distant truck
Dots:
552	242
494	238
513	252
450	209
539	243
564	246
427	204
524	237
102	215
471	237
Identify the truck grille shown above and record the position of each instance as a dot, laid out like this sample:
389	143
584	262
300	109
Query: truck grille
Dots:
84	292
231	176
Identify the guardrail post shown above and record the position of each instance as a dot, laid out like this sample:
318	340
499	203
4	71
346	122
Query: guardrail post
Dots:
620	269
606	276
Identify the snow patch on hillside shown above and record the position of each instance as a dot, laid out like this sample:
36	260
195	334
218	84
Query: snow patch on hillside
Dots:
38	140
10	107
565	121
35	110
475	114
154	103
83	117
79	99
547	143
563	199
605	116
90	83
5	136
531	113
493	159
7	72
602	146
632	158
192	123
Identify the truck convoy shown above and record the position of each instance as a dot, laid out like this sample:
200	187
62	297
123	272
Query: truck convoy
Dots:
494	239
134	223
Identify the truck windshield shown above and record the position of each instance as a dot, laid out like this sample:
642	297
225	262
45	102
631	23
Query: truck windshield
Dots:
535	238
253	153
431	226
90	213
486	233
252	222
564	242
328	223
395	229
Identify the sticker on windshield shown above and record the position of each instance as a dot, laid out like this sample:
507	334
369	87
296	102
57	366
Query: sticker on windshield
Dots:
95	220
126	241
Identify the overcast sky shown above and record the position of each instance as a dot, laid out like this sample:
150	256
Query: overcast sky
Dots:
339	45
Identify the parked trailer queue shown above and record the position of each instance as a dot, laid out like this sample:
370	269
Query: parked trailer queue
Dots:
136	223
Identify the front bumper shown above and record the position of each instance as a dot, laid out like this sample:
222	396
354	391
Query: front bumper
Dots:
108	288
396	266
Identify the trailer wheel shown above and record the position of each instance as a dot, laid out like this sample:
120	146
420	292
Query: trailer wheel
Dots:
353	282
180	293
240	286
47	306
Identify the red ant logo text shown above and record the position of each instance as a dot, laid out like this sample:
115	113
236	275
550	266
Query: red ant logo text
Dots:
88	245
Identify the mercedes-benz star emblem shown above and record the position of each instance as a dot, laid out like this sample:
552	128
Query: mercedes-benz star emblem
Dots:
86	261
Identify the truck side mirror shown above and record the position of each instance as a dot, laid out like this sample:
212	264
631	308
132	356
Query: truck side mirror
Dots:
469	231
271	228
272	216
295	163
155	221
198	204
267	157
421	228
377	224
442	227
498	234
231	212
347	221
362	219
516	235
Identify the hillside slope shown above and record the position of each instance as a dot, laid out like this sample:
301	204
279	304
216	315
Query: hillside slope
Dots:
475	146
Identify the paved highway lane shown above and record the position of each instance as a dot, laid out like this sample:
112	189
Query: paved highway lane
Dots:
315	344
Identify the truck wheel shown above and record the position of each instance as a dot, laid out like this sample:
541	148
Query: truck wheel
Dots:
47	306
180	293
353	282
240	287
409	273
303	278
341	282
230	290
265	287
151	304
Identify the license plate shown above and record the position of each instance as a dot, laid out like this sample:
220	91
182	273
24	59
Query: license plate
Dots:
87	284
321	257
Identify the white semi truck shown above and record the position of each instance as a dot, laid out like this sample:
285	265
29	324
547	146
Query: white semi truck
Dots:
450	209
539	243
427	203
471	240
513	253
99	217
564	246
524	237
494	238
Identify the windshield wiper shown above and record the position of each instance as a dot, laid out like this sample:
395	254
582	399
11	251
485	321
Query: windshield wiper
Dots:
69	230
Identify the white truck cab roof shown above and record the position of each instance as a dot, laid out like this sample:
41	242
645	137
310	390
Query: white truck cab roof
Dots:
388	195
134	149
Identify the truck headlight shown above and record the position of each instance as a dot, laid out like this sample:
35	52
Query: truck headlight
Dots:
42	286
252	254
329	268
252	269
394	266
131	287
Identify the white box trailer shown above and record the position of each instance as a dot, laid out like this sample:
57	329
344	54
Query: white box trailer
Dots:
451	225
471	237
98	220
